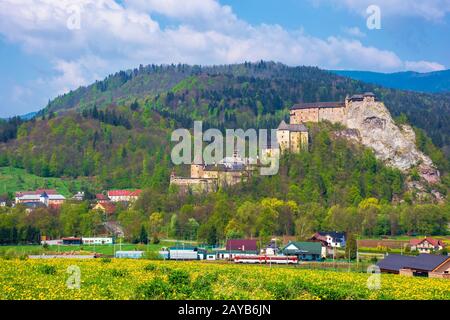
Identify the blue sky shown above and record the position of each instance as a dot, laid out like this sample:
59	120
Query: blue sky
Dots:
48	48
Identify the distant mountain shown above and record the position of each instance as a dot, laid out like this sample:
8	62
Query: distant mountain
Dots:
28	116
24	117
432	82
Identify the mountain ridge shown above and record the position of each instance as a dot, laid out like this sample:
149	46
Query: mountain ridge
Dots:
429	82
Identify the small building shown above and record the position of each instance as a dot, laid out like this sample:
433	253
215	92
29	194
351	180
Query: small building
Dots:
55	242
231	254
426	245
49	197
79	196
101	198
271	249
211	257
30	206
129	254
107	208
3	201
422	265
241	245
186	253
124	195
330	239
98	240
72	241
305	251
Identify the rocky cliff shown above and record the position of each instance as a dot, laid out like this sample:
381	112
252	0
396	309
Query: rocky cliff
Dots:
394	145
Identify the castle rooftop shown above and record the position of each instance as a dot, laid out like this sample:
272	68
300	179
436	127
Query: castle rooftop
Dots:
318	105
292	127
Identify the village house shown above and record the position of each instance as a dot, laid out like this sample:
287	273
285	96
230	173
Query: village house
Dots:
425	265
101	198
34	199
124	195
426	245
237	247
271	249
3	201
330	239
107	208
97	240
304	251
79	196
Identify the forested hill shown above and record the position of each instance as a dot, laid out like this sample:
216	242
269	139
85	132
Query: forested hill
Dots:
248	95
117	132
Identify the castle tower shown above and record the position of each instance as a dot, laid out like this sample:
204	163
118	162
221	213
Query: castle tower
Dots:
369	97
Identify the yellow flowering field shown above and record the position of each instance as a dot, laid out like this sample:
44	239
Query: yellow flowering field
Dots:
141	279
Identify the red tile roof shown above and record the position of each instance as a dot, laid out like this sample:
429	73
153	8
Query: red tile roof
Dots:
101	197
136	193
434	242
124	193
109	208
242	244
36	192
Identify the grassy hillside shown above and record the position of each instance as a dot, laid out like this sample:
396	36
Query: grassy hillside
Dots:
14	179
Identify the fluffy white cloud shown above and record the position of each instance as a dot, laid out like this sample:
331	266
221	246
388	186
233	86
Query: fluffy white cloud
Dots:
423	66
430	10
115	36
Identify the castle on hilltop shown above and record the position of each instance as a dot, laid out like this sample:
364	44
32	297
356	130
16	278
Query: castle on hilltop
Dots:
294	137
209	178
330	111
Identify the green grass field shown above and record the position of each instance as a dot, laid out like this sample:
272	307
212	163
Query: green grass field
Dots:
13	180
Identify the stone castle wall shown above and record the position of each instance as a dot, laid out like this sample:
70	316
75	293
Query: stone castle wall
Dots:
333	115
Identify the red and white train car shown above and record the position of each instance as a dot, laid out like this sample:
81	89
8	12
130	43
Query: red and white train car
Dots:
266	259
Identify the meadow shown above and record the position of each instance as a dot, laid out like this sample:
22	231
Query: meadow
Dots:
14	179
143	279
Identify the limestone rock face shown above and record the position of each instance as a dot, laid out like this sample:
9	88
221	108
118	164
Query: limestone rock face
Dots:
394	145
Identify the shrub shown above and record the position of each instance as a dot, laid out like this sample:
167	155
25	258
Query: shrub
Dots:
119	273
153	290
179	278
46	269
150	267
